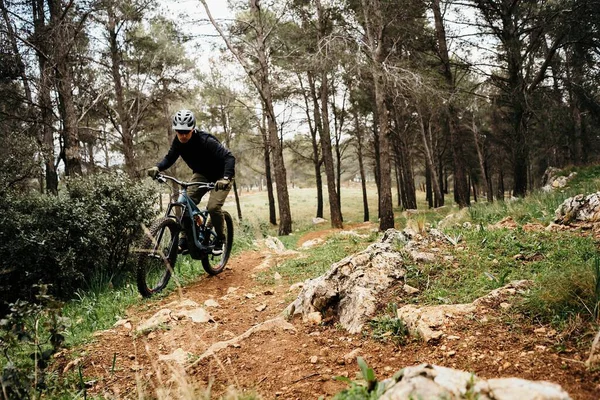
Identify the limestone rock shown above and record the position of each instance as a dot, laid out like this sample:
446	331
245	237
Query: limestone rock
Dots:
429	322
351	284
311	243
185	310
579	208
551	181
434	382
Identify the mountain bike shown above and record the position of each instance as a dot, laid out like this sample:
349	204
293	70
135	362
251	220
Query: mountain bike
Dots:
158	249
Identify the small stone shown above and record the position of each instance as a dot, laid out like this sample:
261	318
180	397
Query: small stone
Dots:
453	337
261	307
250	295
232	290
451	353
314	318
211	303
314	359
505	305
540	330
410	290
268	292
277	276
349	358
296	286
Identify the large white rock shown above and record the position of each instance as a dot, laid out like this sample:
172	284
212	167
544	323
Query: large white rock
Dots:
579	208
350	286
427	381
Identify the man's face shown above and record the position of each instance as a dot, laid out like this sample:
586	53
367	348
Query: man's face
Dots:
184	136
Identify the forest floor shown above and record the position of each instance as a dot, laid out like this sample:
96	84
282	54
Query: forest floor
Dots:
300	361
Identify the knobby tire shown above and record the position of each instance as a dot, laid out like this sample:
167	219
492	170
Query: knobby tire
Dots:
214	265
157	256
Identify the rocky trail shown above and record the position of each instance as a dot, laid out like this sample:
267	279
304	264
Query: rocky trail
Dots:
228	332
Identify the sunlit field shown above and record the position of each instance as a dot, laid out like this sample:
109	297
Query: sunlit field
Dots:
303	205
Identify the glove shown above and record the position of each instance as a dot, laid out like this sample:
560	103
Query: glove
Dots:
222	184
153	172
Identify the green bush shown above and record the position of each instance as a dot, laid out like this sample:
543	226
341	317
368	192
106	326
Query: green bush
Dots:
66	241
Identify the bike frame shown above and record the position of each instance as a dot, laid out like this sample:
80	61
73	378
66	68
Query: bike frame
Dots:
189	210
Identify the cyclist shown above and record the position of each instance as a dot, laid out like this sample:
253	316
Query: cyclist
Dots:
209	160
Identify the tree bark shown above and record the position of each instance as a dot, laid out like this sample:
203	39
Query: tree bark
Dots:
326	151
268	173
123	124
361	166
375	35
314	129
64	83
428	147
461	186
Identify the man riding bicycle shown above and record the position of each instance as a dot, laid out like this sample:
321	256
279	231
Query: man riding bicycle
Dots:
209	160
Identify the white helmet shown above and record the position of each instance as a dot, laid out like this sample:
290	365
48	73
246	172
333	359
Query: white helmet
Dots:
184	120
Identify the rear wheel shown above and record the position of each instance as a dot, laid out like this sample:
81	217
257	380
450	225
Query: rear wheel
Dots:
216	264
157	256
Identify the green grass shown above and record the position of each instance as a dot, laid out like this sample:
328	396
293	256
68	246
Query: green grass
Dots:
388	327
538	206
559	263
317	259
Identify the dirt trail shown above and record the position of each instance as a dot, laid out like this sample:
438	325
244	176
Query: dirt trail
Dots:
300	363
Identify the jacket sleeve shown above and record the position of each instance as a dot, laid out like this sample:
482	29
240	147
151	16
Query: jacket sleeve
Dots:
224	153
170	158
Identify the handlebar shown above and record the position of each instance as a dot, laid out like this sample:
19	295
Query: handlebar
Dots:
203	185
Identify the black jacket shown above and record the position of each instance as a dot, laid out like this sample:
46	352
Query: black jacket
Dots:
204	154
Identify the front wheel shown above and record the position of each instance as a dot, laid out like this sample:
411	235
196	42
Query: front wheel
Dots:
157	256
216	264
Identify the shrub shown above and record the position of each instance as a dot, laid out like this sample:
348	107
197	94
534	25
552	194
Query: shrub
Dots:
64	241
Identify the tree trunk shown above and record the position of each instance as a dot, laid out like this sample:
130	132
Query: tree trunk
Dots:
268	174
428	184
482	165
428	147
375	36
461	187
361	167
326	151
64	83
42	128
406	176
316	154
122	123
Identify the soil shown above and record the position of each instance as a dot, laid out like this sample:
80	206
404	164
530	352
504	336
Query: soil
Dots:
302	363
